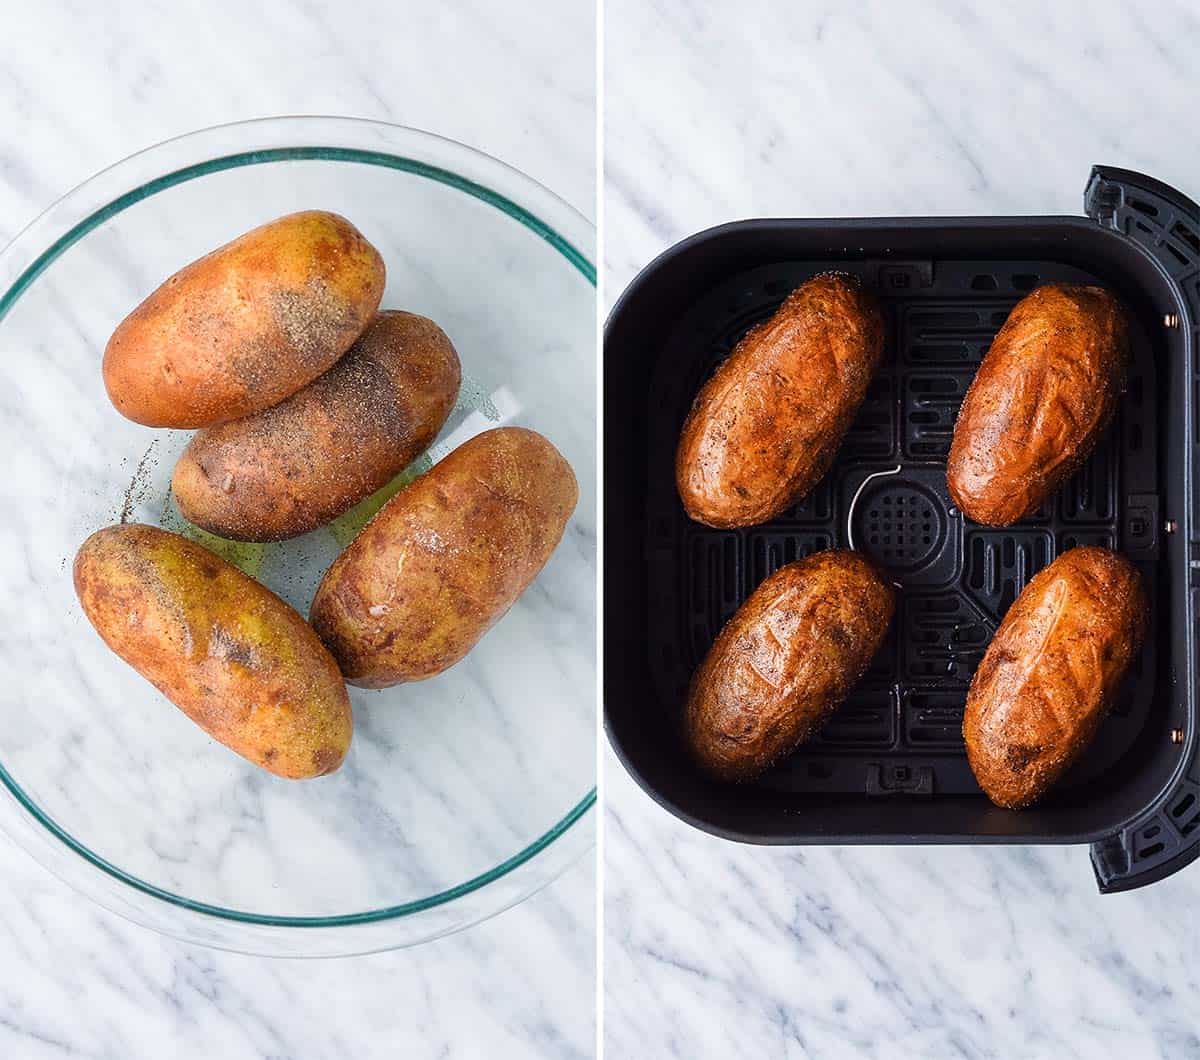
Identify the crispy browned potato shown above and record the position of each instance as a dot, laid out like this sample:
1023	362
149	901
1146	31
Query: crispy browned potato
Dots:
247	325
445	558
236	659
1040	401
785	661
766	427
1051	672
299	465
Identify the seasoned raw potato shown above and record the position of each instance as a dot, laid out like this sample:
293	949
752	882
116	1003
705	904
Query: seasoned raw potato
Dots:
229	653
766	427
1040	401
445	558
1049	676
302	463
247	325
785	661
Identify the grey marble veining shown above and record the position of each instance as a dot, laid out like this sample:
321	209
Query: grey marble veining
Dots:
716	112
78	982
80	88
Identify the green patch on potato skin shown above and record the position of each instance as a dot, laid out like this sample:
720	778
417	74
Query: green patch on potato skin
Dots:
247	556
234	657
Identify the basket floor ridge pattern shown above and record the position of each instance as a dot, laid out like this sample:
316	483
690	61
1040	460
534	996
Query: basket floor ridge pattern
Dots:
900	730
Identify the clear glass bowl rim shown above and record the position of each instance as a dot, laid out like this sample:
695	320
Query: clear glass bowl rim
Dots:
338	139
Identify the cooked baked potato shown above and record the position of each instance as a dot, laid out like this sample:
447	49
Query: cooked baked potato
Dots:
785	661
766	427
1043	396
302	463
247	325
1050	674
228	652
445	558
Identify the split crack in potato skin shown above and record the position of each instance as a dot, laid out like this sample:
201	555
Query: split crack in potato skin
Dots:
784	662
1051	673
765	428
1041	399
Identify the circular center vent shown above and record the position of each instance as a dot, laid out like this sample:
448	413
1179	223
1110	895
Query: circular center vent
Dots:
899	524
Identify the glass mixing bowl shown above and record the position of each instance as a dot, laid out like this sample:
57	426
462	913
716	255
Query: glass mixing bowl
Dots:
462	794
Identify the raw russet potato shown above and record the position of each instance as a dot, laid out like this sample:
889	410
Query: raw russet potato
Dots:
236	659
247	325
1043	396
302	463
1051	672
785	661
766	426
445	558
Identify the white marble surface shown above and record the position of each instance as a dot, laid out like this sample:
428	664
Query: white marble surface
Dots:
80	87
720	111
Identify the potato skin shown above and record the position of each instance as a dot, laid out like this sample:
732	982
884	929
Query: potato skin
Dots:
247	325
236	659
445	558
1051	672
785	661
302	463
1044	394
766	427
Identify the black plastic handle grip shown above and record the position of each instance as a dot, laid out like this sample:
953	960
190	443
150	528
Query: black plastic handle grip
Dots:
1165	836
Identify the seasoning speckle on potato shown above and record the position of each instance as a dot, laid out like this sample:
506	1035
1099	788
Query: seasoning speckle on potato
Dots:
445	558
247	325
766	427
302	463
1044	394
1051	673
228	652
785	661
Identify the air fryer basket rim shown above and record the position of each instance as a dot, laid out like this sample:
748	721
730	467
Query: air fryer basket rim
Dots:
1161	225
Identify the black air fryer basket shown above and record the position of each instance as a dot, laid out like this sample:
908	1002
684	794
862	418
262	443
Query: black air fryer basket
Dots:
890	766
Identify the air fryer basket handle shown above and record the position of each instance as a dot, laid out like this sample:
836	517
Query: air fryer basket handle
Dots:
1165	837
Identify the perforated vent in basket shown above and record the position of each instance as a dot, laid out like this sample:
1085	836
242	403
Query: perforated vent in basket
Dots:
886	496
900	529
